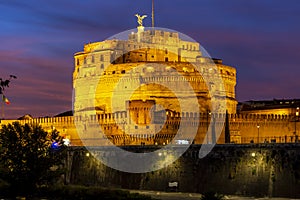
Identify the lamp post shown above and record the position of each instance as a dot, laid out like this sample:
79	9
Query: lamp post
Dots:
124	134
296	119
208	113
258	133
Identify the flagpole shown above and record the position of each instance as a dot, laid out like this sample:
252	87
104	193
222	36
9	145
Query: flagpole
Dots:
152	14
4	84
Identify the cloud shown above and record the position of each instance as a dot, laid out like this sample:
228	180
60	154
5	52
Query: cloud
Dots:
39	38
43	85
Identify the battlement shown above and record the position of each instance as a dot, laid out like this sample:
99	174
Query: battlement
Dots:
243	127
67	120
43	120
155	37
260	116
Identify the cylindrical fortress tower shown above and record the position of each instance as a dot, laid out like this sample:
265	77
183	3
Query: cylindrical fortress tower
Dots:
137	68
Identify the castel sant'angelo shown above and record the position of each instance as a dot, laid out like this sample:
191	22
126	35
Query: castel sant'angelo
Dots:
136	89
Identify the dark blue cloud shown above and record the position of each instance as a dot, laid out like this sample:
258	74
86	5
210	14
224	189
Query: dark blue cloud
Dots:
39	39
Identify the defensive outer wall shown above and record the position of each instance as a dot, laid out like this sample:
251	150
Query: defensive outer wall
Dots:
265	169
243	128
248	170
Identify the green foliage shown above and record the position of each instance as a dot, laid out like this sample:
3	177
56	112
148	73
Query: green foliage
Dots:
27	159
212	196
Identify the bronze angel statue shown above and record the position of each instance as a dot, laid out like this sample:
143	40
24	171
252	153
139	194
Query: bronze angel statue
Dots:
140	19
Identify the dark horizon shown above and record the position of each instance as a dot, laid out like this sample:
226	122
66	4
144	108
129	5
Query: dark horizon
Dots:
260	39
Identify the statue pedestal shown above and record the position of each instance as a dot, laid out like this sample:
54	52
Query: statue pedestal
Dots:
140	30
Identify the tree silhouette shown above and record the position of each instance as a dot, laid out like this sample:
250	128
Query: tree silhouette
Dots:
227	130
30	156
5	83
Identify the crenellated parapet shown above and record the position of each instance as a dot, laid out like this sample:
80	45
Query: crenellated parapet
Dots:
64	125
244	128
255	117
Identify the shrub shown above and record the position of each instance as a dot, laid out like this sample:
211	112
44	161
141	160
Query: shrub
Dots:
212	196
71	192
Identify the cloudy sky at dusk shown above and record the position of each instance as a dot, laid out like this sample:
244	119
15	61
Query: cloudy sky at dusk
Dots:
39	38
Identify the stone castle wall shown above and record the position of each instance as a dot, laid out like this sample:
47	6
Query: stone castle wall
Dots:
65	126
243	127
99	87
265	169
270	170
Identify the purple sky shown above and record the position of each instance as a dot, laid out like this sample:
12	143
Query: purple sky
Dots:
38	39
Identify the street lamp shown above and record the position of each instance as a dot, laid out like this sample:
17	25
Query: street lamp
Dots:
124	134
208	114
258	133
296	119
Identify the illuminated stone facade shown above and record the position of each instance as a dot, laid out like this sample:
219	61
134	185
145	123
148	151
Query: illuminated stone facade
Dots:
243	128
269	107
148	56
103	65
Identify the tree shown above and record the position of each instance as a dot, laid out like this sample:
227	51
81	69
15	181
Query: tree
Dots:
30	156
211	196
227	130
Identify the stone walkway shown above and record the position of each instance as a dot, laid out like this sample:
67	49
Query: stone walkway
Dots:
194	196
